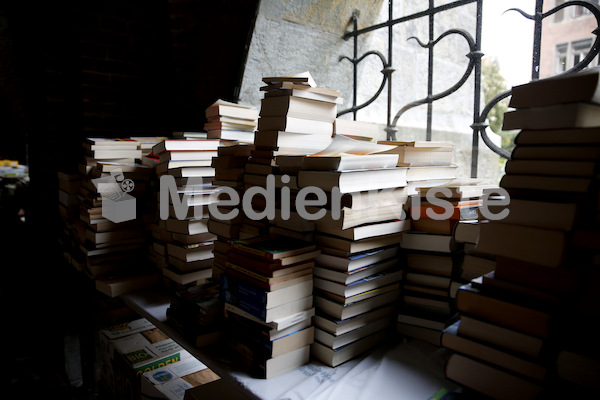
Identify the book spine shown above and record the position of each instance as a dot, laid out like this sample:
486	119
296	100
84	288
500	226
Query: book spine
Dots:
249	250
244	296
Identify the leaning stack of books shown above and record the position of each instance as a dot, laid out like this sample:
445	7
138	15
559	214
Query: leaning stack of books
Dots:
231	122
185	191
267	287
296	116
229	176
358	273
109	234
444	220
526	328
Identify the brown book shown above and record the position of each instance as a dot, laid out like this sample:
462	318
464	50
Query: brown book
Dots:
472	302
540	246
494	356
489	380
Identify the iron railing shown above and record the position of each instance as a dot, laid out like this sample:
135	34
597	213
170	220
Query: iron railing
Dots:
479	124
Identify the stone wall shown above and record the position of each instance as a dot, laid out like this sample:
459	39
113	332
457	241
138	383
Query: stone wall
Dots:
291	37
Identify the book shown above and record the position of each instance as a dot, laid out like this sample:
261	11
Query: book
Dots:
428	335
342	354
489	380
354	181
269	283
363	285
347	278
579	87
428	242
499	336
575	152
548	183
302	91
568	136
185	144
363	231
536	245
229	109
188	277
119	285
297	107
471	301
491	355
362	221
356	261
347	247
579	369
337	341
291	142
273	248
552	168
349	162
341	326
535	213
238	291
426	320
431	172
344	311
187	226
302	78
275	86
191	252
569	115
430	263
356	128
296	125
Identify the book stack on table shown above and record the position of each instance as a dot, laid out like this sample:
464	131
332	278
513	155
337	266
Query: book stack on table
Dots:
434	256
267	287
229	175
358	273
186	174
108	236
527	328
231	122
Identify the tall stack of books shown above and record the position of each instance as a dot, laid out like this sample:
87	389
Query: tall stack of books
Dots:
357	276
229	173
267	287
183	208
231	122
108	235
434	256
527	328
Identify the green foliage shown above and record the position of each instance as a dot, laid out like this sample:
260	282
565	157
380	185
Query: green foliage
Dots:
493	84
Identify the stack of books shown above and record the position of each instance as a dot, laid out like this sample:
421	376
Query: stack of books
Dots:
430	163
107	237
231	122
296	116
267	288
527	328
434	256
358	230
197	313
229	174
185	176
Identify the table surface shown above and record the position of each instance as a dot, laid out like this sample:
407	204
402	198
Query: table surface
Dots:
398	369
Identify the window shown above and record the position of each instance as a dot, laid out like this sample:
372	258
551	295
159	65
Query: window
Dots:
561	57
580	50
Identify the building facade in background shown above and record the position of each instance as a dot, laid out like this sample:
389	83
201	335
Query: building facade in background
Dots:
566	38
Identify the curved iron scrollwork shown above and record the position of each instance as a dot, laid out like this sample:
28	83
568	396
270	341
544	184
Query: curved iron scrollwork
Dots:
479	125
472	55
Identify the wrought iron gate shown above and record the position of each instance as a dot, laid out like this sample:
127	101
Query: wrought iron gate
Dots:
479	124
